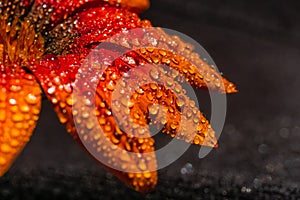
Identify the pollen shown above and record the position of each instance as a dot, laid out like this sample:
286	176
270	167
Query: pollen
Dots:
19	43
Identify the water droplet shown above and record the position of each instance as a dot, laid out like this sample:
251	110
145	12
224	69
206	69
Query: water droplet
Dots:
102	121
62	104
263	149
90	125
70	101
284	132
142	165
166	61
54	100
147	175
140	91
24	108
173	126
31	99
127	146
15	132
257	183
110	86
102	104
136	116
154	74
14	143
153	86
2	161
150	96
17	117
63	119
87	102
171	110
153	110
107	128
180	101
68	88
51	90
175	60
150	50
159	94
2	115
187	169
124	166
198	140
5	148
162	52
85	114
12	101
246	190
15	88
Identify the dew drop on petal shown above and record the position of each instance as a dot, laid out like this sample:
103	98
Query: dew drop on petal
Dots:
3	161
142	165
2	115
5	148
17	117
12	101
51	90
31	99
154	74
24	108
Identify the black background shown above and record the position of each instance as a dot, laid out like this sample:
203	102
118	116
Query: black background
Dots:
256	44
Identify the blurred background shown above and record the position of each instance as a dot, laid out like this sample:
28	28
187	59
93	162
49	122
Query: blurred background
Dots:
256	44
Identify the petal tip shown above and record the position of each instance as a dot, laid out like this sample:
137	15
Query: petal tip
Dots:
141	5
231	88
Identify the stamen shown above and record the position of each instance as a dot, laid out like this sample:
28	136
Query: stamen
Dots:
19	43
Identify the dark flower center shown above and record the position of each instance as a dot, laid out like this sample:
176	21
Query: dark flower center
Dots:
19	43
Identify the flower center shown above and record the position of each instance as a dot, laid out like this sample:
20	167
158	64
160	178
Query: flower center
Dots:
19	43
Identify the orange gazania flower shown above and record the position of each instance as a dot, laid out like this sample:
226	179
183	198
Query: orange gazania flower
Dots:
42	45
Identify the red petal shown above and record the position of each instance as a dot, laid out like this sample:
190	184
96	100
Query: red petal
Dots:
104	25
86	29
57	77
62	8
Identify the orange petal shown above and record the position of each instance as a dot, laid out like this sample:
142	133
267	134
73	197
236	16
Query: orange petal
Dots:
158	47
199	77
150	86
103	136
179	117
133	5
20	103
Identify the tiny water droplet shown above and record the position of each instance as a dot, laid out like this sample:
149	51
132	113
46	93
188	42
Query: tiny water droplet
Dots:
187	169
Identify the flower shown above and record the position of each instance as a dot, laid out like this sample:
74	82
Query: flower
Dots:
43	43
